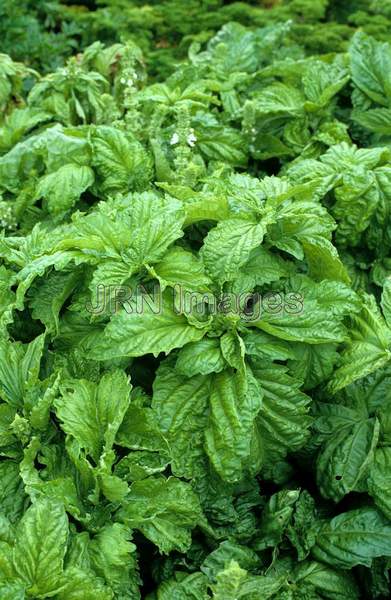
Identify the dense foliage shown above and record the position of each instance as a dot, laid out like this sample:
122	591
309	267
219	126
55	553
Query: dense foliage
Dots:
195	300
